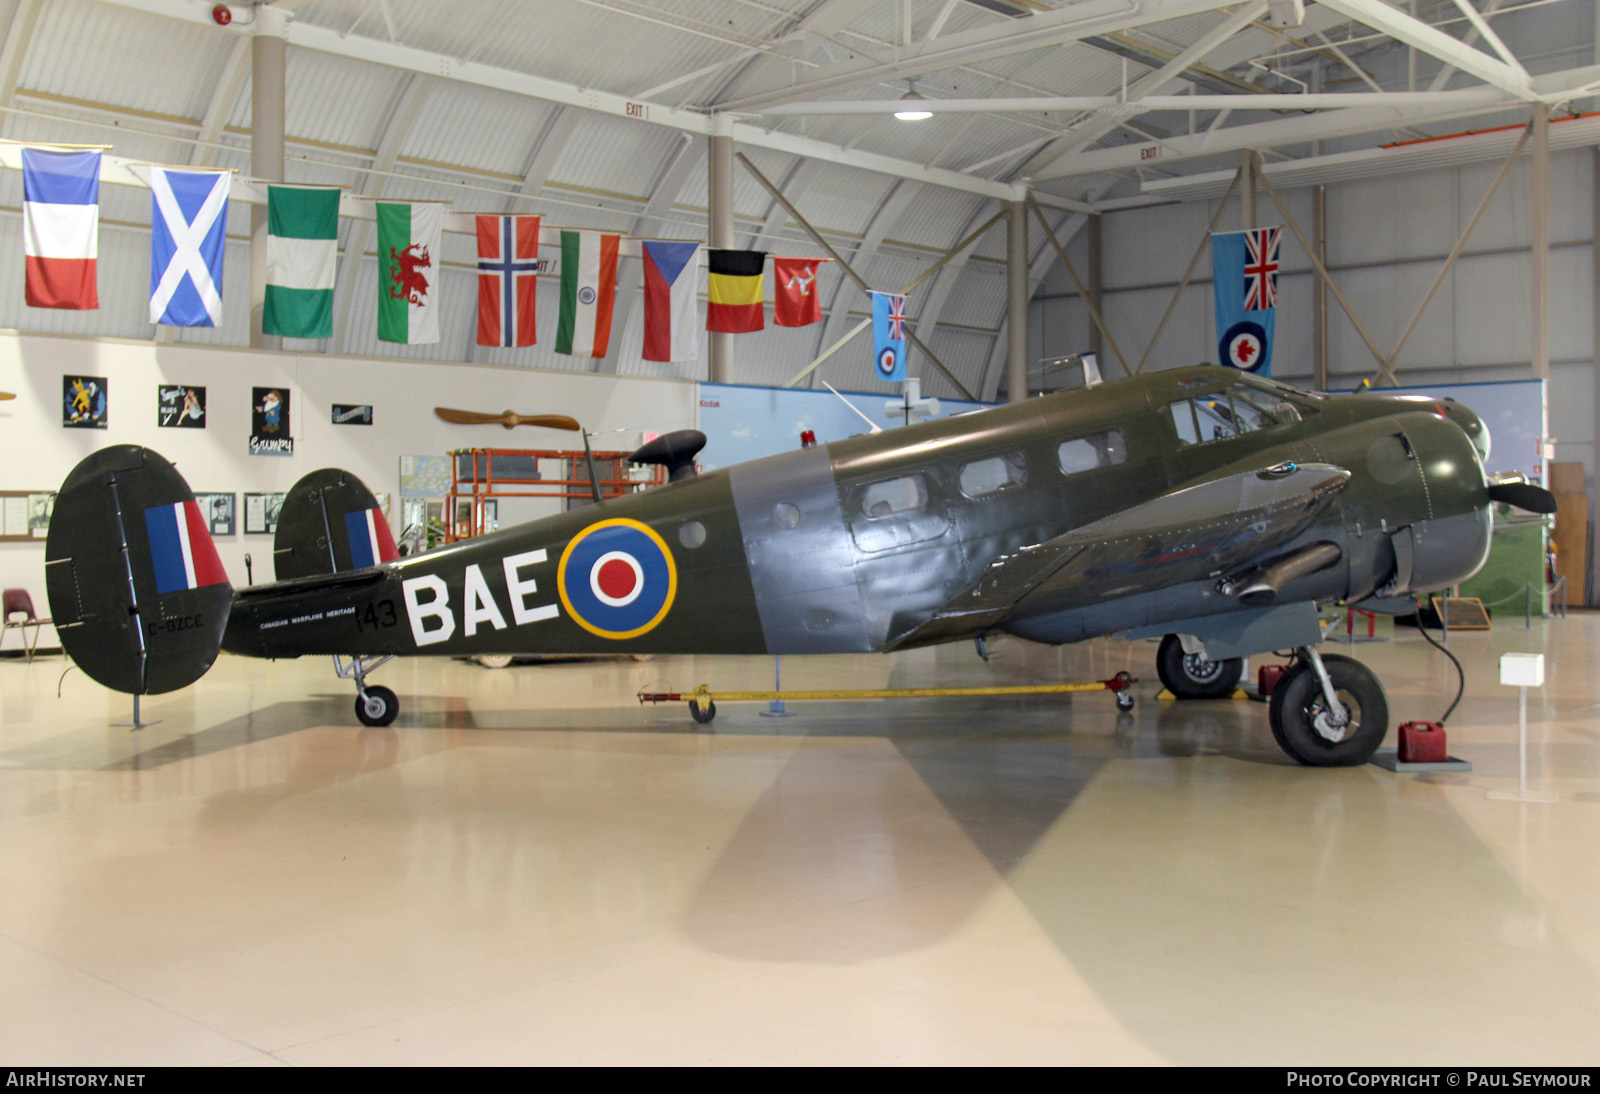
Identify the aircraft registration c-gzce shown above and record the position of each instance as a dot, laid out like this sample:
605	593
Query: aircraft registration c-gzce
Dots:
1215	508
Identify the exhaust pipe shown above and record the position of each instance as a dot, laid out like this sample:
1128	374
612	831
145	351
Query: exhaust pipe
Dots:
1261	587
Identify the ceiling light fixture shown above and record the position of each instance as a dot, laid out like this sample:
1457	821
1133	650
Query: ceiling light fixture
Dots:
913	113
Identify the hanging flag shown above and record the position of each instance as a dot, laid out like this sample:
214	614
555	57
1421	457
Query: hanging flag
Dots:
588	289
61	228
188	230
302	253
508	272
795	301
735	291
409	238
1244	270
889	336
670	330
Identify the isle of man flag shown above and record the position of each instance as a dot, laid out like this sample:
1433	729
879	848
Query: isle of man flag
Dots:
408	271
302	254
588	287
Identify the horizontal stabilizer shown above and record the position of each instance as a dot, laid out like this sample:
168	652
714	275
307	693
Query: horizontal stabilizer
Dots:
330	524
138	594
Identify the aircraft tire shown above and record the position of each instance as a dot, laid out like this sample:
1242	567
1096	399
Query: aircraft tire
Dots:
1191	676
493	660
703	717
1297	701
379	708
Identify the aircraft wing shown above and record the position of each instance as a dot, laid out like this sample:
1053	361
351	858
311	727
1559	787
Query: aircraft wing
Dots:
1181	536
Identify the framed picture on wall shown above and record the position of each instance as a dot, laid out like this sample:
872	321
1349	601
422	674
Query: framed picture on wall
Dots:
261	513
179	406
271	429
84	402
219	511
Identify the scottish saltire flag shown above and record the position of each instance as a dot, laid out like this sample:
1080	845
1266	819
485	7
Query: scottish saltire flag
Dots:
889	336
508	277
61	227
181	548
1244	269
670	330
371	542
188	231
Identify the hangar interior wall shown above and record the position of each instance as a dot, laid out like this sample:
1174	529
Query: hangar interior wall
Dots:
39	451
1387	238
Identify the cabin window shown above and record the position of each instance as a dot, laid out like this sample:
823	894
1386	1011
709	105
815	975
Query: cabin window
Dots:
692	533
1094	450
785	515
993	474
902	495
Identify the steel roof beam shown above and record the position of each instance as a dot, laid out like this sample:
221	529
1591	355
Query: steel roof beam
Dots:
1511	78
1051	28
429	63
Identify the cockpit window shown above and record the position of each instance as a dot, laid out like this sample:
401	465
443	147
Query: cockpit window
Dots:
901	495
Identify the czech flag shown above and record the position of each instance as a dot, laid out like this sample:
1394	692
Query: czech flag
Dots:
670	330
734	290
181	548
61	227
371	542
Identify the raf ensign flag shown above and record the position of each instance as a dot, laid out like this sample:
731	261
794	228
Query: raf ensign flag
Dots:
796	302
508	279
588	289
670	330
1244	269
188	228
889	336
61	227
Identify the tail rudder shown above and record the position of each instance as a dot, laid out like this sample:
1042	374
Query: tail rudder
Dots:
330	523
138	594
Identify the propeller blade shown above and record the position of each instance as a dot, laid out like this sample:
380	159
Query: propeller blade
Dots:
1523	495
507	418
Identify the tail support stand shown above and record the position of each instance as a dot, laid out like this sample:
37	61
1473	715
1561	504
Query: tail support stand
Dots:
135	722
776	709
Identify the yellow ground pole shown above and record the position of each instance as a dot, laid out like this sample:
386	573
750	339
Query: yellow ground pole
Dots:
702	701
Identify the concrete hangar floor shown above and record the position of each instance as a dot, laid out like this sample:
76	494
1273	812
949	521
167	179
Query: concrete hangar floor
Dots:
531	868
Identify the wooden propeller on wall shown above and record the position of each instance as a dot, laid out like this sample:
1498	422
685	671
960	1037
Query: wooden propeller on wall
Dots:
506	418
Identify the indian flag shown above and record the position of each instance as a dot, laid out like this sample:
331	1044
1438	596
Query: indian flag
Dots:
408	271
302	254
588	287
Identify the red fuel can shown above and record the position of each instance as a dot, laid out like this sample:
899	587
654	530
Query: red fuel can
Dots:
1422	743
1267	678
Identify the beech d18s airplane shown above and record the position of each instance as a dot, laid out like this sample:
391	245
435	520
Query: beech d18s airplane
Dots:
1214	508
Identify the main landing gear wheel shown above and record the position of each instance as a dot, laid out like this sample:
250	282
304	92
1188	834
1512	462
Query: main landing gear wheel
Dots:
702	716
378	707
1191	676
1307	728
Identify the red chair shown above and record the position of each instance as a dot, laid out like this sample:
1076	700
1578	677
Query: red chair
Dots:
17	602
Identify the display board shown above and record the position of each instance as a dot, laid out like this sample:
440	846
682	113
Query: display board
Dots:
743	422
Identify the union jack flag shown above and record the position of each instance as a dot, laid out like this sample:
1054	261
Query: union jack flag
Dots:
897	317
1261	268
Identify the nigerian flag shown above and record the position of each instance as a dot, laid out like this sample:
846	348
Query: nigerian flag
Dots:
408	271
302	253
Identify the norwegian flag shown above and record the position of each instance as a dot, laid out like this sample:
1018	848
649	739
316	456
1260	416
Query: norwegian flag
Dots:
508	269
1261	268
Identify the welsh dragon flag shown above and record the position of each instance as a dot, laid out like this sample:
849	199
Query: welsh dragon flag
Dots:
408	271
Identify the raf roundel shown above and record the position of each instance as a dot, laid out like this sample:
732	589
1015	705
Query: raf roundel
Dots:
886	361
617	578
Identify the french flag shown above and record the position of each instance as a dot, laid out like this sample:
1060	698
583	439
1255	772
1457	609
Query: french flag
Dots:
181	548
371	542
61	227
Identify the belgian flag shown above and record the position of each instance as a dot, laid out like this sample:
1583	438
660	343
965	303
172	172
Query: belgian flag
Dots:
735	291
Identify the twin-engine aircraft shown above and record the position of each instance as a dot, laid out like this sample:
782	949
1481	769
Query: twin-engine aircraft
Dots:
1214	508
